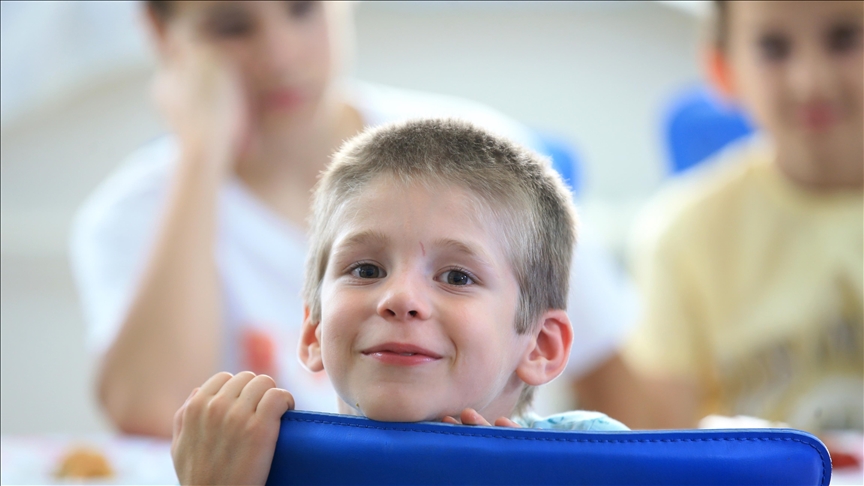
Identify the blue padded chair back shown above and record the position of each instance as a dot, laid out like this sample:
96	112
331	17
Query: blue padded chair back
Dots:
337	449
698	125
565	160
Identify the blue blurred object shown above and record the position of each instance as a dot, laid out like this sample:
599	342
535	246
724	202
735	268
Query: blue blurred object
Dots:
339	449
565	160
698	125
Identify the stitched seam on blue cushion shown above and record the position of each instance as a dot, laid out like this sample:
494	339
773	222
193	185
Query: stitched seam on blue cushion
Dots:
558	439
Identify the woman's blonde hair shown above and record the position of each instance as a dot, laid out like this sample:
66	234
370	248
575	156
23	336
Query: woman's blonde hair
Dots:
517	186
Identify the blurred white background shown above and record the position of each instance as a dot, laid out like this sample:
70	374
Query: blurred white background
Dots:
75	101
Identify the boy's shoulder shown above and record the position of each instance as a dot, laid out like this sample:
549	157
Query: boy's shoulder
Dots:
143	174
131	194
706	197
572	420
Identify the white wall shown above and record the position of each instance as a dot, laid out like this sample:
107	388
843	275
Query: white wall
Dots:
595	72
50	162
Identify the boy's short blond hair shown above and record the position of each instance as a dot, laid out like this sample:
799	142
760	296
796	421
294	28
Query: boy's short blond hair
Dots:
518	187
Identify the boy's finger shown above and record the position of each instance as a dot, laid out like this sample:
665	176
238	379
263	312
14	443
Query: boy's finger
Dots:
506	422
215	383
472	417
274	403
233	387
178	422
178	415
254	391
450	420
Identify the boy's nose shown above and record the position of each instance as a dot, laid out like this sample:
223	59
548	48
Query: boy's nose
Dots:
405	301
812	76
280	49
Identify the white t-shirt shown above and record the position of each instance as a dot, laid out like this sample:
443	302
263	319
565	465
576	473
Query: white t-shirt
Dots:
260	256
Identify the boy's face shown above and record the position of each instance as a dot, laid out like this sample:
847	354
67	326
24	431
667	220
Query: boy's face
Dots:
284	51
797	66
418	307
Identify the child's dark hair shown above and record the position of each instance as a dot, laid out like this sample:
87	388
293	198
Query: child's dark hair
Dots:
720	24
161	9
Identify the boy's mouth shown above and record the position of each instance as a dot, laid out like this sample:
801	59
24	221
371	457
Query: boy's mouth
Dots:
401	354
817	116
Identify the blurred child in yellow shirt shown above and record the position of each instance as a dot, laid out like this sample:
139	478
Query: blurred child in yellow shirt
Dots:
751	271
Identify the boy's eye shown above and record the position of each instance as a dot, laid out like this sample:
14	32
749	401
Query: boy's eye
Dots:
230	23
774	47
455	277
843	38
367	270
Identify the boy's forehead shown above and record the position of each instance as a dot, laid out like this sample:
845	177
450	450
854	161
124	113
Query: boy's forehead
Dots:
437	215
385	194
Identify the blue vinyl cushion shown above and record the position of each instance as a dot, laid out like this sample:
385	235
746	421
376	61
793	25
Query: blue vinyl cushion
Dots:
337	449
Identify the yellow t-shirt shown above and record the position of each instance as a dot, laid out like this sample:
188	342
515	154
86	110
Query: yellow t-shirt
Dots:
753	287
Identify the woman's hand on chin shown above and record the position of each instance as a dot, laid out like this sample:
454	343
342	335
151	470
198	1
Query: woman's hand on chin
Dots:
203	97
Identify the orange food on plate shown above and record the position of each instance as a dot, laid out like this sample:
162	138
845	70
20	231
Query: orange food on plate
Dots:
84	462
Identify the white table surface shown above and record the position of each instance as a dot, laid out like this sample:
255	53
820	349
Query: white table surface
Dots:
135	460
142	460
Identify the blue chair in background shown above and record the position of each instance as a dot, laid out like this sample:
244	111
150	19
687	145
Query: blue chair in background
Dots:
698	125
338	449
564	157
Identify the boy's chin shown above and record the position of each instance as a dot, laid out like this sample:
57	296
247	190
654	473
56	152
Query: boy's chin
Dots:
398	414
398	411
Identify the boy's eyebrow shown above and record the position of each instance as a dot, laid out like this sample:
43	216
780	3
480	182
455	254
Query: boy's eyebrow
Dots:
461	247
372	237
360	239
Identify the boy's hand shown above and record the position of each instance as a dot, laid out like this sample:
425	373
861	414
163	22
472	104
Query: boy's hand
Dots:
469	416
226	431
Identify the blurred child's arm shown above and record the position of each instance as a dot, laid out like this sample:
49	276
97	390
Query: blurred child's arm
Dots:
640	402
672	402
226	431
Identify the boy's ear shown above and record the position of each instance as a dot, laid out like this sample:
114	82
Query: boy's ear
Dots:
719	71
310	343
547	355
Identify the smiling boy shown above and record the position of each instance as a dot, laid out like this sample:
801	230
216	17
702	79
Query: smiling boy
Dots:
435	290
